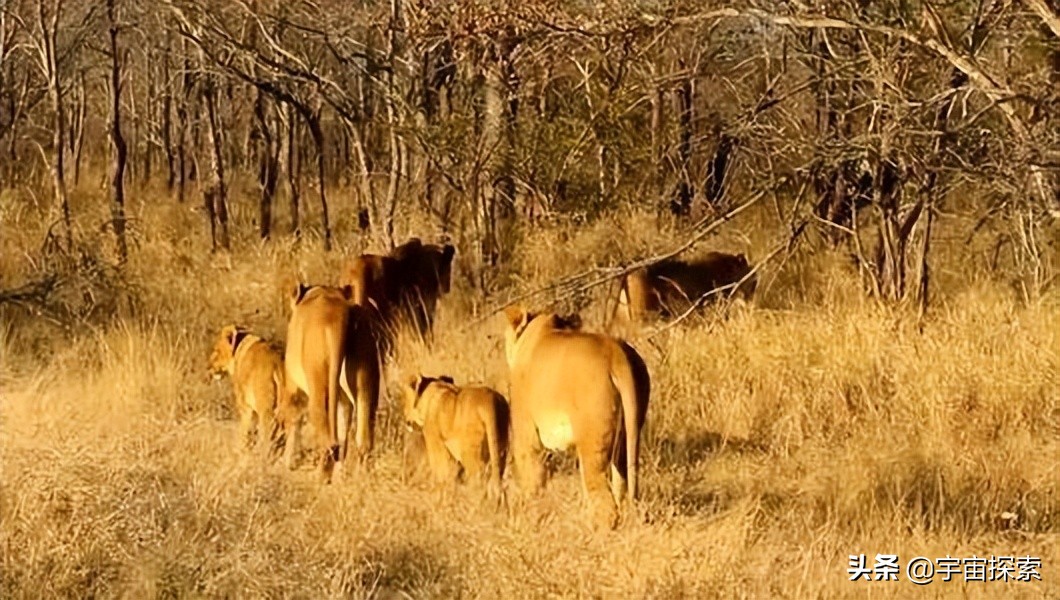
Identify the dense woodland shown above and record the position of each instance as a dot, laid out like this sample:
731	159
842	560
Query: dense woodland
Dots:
862	121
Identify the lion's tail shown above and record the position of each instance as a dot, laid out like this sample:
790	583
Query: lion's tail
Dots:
496	421
279	387
630	377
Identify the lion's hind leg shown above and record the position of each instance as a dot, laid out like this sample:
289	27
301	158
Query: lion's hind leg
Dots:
528	455
317	411
595	459
444	468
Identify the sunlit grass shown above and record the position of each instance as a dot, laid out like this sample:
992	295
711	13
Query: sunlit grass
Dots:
780	440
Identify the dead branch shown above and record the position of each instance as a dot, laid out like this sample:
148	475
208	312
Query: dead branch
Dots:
34	293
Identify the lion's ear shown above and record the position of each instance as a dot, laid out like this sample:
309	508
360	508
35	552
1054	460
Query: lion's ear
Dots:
228	331
448	252
515	314
298	291
413	381
447	379
347	291
234	334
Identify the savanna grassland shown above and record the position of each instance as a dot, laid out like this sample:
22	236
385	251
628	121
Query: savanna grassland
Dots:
782	436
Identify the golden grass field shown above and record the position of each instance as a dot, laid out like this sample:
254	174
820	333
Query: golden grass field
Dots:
781	439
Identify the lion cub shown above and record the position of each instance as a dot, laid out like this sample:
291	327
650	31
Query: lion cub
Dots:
462	426
256	370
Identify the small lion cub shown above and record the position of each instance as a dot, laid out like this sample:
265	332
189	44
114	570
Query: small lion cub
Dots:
256	370
462	427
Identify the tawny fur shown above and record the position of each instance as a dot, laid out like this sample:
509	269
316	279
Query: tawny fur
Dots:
332	358
465	426
572	389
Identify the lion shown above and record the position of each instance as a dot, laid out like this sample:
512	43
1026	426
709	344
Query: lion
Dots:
671	287
580	390
257	373
332	358
462	427
404	286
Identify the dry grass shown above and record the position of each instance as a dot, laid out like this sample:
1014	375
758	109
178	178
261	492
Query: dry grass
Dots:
780	440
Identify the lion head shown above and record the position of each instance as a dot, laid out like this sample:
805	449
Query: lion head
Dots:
222	359
415	385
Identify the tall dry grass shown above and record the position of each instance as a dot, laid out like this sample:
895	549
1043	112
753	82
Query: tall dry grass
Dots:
780	439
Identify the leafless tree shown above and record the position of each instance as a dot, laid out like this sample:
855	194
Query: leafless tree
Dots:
117	140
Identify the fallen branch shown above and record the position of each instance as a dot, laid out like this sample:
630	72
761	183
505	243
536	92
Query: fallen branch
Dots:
34	292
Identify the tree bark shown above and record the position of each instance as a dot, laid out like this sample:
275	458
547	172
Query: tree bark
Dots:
499	118
397	146
215	195
78	142
437	74
183	167
167	119
294	168
118	148
658	134
268	166
150	108
317	133
49	24
718	170
681	205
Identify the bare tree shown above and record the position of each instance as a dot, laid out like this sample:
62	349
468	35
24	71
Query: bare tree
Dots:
117	140
215	193
47	41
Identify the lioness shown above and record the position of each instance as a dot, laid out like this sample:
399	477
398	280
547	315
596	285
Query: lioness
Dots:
331	350
405	285
670	287
571	388
462	426
256	370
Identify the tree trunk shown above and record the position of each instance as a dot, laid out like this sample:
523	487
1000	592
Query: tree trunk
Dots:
313	121
117	141
438	73
135	117
167	120
498	130
150	108
682	204
658	133
215	195
268	157
78	142
49	25
183	167
294	168
1054	78
396	143
718	170
830	179
195	136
